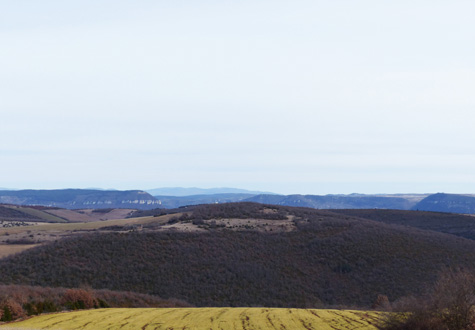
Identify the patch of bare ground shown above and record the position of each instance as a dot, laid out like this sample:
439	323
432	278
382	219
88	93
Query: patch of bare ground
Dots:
261	225
181	227
10	249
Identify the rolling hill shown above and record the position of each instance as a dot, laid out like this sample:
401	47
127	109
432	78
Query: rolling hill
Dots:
9	213
247	254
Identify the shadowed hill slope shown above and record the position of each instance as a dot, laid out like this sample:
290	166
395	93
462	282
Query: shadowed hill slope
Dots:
30	214
449	223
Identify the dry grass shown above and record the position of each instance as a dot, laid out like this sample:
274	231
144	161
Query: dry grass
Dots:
203	318
46	232
6	250
86	226
87	215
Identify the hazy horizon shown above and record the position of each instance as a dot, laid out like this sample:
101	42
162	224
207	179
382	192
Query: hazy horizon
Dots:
244	189
307	97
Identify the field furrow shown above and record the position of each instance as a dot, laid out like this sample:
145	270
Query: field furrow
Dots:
202	318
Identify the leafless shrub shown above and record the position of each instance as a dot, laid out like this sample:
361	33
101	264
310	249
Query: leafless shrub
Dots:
78	299
449	306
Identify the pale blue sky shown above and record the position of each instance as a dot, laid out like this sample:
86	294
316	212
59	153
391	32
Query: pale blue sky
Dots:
285	96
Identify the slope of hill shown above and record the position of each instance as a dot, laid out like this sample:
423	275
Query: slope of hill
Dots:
204	318
450	223
447	203
27	235
338	201
80	198
30	214
90	215
324	259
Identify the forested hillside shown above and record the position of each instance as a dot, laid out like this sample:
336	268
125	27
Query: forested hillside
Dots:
326	259
450	223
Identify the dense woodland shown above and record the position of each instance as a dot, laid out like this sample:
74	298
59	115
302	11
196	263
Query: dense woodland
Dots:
330	259
450	223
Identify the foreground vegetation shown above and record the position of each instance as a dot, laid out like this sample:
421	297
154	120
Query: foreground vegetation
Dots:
203	318
19	301
449	305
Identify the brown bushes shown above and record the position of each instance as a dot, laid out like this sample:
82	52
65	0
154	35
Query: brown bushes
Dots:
449	306
78	299
10	310
17	301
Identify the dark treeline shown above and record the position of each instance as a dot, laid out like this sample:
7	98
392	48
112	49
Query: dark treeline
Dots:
329	260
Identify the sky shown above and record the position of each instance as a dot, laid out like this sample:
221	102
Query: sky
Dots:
302	96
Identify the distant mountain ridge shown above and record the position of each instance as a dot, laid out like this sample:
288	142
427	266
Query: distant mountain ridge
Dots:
453	203
440	202
193	191
141	200
353	201
80	198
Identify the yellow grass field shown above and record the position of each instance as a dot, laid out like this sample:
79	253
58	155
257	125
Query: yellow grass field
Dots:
202	318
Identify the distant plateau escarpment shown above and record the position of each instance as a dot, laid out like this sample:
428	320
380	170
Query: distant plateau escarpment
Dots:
80	198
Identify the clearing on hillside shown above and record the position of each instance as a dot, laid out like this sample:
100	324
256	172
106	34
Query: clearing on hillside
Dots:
203	318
